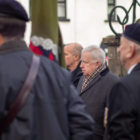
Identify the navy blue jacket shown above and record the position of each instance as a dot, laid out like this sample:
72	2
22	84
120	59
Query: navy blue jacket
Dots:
53	110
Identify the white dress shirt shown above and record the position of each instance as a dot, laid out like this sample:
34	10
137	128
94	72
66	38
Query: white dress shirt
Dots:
131	68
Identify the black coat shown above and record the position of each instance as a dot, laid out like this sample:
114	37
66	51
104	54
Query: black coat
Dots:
124	107
53	110
76	75
95	97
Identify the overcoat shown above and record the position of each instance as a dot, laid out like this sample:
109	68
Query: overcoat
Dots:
95	97
53	110
124	108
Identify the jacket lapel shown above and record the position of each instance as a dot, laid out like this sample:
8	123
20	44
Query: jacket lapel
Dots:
92	83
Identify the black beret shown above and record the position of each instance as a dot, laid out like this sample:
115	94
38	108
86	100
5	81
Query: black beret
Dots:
132	32
12	9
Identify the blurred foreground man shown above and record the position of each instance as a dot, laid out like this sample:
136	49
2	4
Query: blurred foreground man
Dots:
124	101
53	109
95	86
72	54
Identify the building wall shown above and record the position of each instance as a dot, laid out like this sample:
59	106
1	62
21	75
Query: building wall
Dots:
87	21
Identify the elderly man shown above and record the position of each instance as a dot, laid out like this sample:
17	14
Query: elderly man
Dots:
52	109
95	85
124	101
72	54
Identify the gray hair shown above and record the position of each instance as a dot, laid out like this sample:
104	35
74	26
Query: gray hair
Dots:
96	53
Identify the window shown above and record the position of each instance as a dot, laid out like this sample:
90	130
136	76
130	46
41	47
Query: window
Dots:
62	15
111	5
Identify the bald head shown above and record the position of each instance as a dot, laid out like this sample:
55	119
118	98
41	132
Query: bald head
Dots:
75	48
72	54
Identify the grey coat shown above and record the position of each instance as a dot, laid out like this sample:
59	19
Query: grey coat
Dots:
95	96
53	110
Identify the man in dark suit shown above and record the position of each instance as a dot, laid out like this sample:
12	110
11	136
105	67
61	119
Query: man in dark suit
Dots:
124	100
72	54
95	85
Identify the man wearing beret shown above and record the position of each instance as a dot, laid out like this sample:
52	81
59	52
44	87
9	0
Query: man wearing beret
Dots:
53	110
124	100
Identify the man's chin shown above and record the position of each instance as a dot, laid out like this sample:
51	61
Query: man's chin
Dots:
84	74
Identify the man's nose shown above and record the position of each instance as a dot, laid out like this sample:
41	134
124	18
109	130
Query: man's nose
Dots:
81	65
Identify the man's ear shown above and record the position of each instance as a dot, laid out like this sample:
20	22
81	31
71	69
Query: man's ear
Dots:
131	51
76	57
98	63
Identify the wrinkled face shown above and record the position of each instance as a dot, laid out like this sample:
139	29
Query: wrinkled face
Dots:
123	50
69	58
88	65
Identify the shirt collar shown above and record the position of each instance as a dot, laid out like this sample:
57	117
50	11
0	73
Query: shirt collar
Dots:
131	68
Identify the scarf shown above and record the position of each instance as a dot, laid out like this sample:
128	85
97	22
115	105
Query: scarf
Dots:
93	75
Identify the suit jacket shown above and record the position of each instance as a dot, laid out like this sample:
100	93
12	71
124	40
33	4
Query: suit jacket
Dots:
95	97
124	107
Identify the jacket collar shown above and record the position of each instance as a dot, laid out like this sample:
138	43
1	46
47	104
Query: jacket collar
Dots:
13	45
77	68
77	73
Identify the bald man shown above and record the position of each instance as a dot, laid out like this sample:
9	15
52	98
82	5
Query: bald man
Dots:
72	54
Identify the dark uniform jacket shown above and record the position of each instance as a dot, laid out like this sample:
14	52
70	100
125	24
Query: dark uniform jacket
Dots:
53	110
124	107
76	75
95	97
